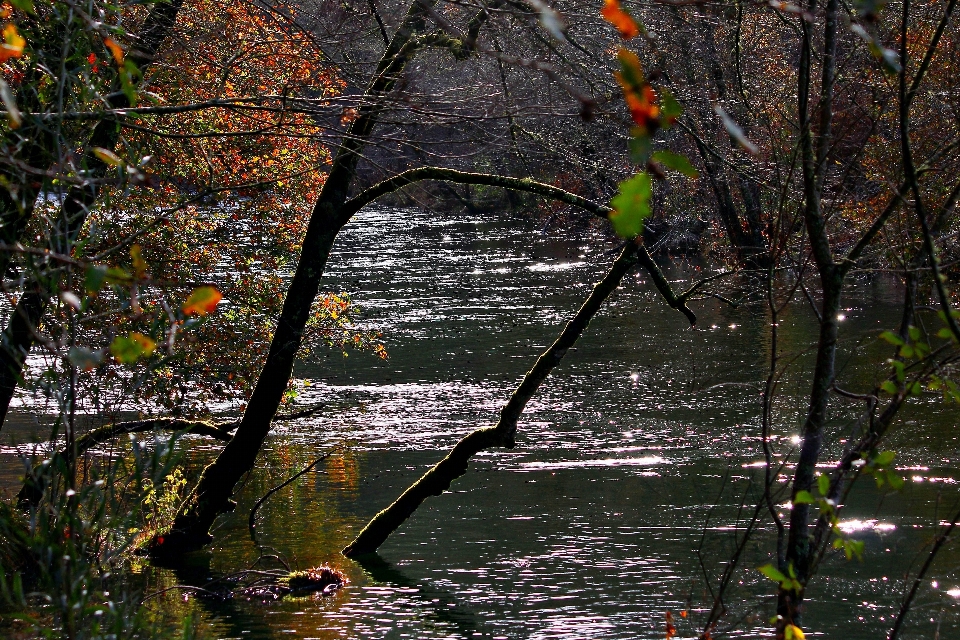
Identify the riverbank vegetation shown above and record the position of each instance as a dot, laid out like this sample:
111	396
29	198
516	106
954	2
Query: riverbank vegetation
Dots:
175	175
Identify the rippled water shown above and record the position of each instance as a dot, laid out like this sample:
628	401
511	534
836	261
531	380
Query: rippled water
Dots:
632	463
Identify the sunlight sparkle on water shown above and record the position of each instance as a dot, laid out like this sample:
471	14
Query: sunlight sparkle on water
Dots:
555	267
606	462
854	526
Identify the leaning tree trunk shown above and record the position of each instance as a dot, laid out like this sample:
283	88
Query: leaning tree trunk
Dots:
211	496
437	480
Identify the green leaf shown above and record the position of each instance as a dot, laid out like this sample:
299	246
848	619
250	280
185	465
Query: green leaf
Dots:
670	109
640	148
853	548
915	389
887	57
772	572
95	277
128	78
630	69
823	484
945	333
14	117
804	497
894	480
883	458
116	275
892	338
24	5
631	206
888	387
914	332
129	349
677	162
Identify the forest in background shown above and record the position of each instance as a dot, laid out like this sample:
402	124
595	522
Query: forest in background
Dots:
175	175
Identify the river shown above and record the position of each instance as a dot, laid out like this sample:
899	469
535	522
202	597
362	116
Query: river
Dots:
633	465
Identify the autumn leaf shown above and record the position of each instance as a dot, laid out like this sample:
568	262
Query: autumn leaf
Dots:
643	107
613	13
115	50
793	632
107	156
640	96
348	115
128	349
631	206
139	264
202	301
13	43
671	629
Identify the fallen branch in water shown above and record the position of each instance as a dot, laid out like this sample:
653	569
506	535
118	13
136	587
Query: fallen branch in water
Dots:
31	491
252	520
438	479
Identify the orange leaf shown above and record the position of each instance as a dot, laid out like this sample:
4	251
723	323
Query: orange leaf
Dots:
115	50
202	301
643	107
13	43
623	21
348	115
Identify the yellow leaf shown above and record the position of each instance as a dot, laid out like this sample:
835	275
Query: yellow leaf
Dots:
202	301
107	156
139	264
793	632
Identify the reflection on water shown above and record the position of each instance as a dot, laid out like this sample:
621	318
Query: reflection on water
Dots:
643	439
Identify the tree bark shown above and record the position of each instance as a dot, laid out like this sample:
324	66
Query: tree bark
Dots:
800	548
211	496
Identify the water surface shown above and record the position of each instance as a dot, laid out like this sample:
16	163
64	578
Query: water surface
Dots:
636	467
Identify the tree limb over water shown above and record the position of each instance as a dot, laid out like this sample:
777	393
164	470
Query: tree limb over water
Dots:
439	477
